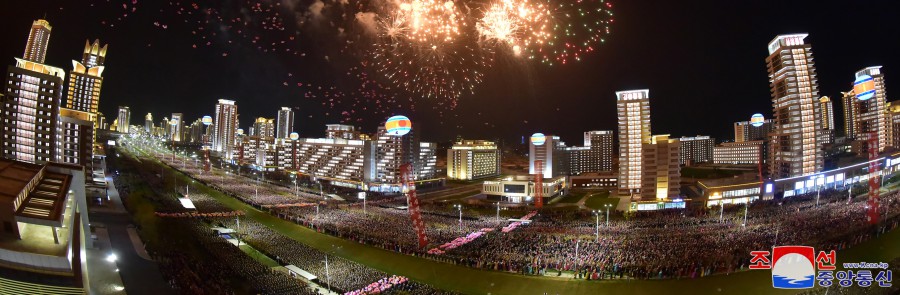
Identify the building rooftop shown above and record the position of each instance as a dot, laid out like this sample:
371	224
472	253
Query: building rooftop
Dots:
14	176
46	196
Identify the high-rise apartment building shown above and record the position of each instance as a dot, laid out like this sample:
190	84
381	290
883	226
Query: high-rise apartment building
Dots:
661	171
195	134
873	115
393	151
176	125
148	123
124	119
341	131
473	159
76	134
744	131
893	110
86	79
551	153
633	107
30	108
285	121
38	38
851	114
697	149
594	156
426	164
225	128
263	127
826	116
796	149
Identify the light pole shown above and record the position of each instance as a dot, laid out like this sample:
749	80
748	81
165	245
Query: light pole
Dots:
746	210
721	210
459	207
317	211
850	194
327	275
607	213
818	193
498	211
362	195
597	225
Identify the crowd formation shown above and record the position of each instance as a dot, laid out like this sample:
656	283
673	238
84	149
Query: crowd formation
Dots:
664	244
197	260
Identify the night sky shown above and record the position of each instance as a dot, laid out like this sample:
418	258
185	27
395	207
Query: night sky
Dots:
703	61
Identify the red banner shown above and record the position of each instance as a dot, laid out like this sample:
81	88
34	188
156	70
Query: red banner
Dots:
874	183
414	213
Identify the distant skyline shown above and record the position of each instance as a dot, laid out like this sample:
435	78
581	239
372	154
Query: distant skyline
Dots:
703	62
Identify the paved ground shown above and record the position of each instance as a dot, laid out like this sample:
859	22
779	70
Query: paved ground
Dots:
140	276
103	275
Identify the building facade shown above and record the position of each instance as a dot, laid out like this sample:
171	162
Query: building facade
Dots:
123	119
473	159
551	153
77	137
826	116
744	131
86	79
38	39
148	123
285	122
851	114
595	156
661	172
177	127
225	128
341	131
873	115
633	107
739	153
30	111
263	127
796	149
697	149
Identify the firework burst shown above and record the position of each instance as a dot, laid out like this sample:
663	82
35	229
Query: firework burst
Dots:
578	27
424	47
515	24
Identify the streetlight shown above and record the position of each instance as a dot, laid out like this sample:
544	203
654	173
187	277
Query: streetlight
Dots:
498	211
362	195
818	193
850	194
607	213
459	207
597	224
746	210
721	210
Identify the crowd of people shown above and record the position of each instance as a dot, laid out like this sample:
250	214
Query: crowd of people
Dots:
213	268
675	243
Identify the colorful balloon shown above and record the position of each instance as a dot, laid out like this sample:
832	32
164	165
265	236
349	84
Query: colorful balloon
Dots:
757	120
538	139
398	125
864	87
